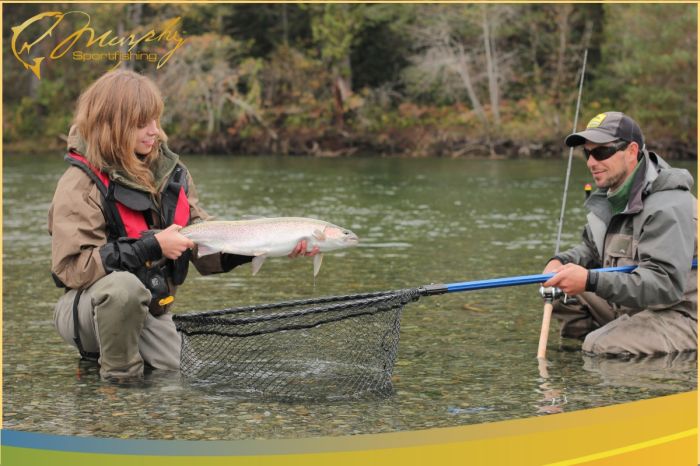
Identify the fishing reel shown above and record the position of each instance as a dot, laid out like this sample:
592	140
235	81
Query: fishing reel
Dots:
550	293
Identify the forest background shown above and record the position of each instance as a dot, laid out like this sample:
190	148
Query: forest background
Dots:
444	80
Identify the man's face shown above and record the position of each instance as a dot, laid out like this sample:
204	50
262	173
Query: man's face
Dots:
612	172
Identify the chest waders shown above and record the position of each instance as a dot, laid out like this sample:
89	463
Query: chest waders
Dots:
126	215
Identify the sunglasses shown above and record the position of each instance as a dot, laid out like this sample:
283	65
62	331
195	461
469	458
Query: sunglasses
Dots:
601	153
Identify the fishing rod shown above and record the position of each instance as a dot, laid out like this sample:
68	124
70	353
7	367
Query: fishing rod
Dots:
571	156
434	289
549	297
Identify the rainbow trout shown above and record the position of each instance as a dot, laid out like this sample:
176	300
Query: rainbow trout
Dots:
268	237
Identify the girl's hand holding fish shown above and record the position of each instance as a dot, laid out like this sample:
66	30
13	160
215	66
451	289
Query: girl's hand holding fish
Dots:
172	243
300	250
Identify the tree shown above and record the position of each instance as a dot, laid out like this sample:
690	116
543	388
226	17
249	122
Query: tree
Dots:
268	25
490	29
650	67
548	41
210	96
454	44
333	28
382	47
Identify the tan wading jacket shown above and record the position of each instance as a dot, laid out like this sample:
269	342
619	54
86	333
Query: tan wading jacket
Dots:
656	231
78	228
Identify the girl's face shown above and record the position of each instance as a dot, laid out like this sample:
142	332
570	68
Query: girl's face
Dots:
146	137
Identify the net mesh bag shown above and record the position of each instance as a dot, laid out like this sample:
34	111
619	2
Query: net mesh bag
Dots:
324	348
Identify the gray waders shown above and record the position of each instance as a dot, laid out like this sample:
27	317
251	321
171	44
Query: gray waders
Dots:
605	330
115	326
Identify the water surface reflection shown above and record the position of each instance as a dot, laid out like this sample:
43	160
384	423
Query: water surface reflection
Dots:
463	358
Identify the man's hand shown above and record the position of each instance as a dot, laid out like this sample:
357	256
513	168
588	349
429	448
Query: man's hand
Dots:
552	266
300	250
569	278
172	243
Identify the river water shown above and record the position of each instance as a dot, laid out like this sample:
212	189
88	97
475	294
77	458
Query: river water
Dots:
463	358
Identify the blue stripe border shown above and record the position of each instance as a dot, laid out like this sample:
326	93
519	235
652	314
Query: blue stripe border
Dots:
65	443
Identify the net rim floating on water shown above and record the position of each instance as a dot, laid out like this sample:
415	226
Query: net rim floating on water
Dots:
333	347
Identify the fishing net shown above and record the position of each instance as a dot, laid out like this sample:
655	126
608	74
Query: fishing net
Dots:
329	348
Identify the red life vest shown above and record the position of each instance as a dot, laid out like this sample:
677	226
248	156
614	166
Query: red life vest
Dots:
130	220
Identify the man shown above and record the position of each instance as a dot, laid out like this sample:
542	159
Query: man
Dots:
643	214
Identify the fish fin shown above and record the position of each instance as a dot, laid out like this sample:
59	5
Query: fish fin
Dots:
204	250
258	262
319	235
318	258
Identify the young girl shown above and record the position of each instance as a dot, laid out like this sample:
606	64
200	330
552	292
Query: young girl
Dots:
123	181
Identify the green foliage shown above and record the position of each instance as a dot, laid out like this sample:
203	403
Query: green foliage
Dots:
268	26
382	47
259	76
296	89
333	28
649	67
217	89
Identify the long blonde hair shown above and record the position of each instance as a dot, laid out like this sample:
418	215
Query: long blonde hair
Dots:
107	116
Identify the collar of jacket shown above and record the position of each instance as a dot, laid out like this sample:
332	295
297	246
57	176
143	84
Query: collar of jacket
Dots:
162	168
620	197
644	177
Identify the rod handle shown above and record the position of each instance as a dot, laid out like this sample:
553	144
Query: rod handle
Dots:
544	331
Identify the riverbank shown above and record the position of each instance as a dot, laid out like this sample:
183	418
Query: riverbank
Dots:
416	142
426	142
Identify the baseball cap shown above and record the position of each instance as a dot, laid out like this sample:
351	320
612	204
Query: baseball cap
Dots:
608	127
